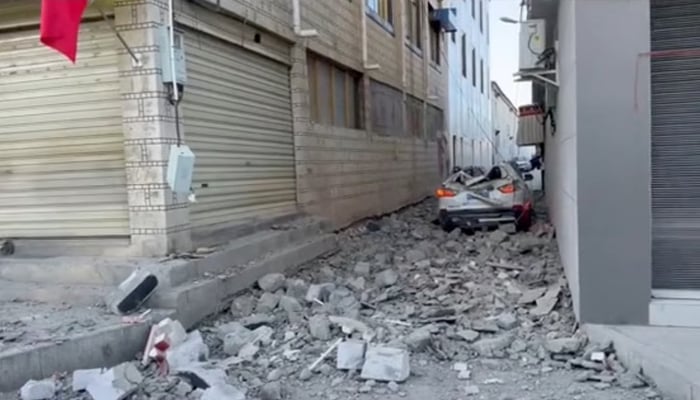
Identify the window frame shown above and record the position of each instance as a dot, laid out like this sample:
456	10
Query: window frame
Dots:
414	33
481	16
464	55
434	37
383	13
474	66
352	87
481	74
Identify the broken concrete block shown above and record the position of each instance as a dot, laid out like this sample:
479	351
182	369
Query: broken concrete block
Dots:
132	293
414	255
358	283
242	306
363	268
290	305
530	296
471	390
468	335
387	278
257	320
267	302
489	347
193	349
320	327
83	377
271	391
498	236
272	282
249	351
351	355
349	325
419	339
38	390
570	345
236	339
386	364
221	391
296	288
319	292
116	383
507	321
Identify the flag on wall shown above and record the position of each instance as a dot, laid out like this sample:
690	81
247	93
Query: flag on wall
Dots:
60	23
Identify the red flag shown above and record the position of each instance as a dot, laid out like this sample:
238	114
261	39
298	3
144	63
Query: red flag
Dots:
60	23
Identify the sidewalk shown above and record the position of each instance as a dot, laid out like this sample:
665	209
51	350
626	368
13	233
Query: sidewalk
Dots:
669	356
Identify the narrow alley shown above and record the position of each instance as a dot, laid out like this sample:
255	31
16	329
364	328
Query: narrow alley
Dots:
486	316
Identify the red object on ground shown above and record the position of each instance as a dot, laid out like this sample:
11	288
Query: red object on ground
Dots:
60	23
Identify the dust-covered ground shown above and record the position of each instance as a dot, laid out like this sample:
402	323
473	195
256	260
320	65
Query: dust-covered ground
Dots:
483	316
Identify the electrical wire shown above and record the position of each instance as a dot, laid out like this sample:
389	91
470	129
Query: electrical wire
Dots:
176	106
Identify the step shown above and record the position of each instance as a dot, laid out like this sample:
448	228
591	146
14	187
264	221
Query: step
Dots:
241	251
77	295
69	269
199	299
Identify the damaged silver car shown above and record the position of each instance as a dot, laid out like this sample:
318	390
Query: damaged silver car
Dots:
498	197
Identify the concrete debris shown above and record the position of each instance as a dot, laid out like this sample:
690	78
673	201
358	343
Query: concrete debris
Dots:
82	377
363	269
271	391
386	364
132	292
272	282
386	278
38	390
351	355
484	307
320	327
568	345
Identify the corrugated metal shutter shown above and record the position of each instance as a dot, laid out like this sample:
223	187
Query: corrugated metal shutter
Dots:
61	139
675	145
238	119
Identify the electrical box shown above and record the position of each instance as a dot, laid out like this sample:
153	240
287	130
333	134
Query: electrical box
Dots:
180	169
532	43
179	50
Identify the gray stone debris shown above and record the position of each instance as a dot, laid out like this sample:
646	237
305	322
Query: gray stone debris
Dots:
419	339
386	364
507	321
296	288
568	345
320	327
490	347
116	383
350	355
193	349
414	255
242	306
468	335
272	282
319	292
267	302
38	390
290	305
386	278
82	377
271	391
471	390
363	268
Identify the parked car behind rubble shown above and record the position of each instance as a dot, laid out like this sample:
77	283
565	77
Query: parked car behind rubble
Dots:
498	197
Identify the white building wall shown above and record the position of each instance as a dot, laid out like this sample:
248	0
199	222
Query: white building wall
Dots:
504	120
469	110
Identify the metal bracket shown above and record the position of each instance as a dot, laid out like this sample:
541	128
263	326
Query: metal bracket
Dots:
540	75
135	58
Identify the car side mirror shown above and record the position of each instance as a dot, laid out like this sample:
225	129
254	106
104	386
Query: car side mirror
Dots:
528	177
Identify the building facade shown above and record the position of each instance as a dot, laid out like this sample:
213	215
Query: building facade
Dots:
469	105
621	157
504	118
344	123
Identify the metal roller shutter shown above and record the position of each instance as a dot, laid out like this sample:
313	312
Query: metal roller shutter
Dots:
238	122
675	147
61	139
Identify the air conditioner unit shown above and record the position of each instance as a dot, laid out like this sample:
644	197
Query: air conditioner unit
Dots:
532	43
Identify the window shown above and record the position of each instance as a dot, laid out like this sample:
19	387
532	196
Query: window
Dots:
434	37
435	122
381	9
473	67
413	34
334	93
387	109
488	29
481	16
481	74
464	55
474	9
414	116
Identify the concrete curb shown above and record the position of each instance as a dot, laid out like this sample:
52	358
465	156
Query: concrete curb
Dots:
198	300
674	379
103	347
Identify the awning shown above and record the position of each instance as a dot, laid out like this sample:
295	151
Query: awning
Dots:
441	17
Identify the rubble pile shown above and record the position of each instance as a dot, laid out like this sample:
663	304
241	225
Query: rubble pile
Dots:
400	292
